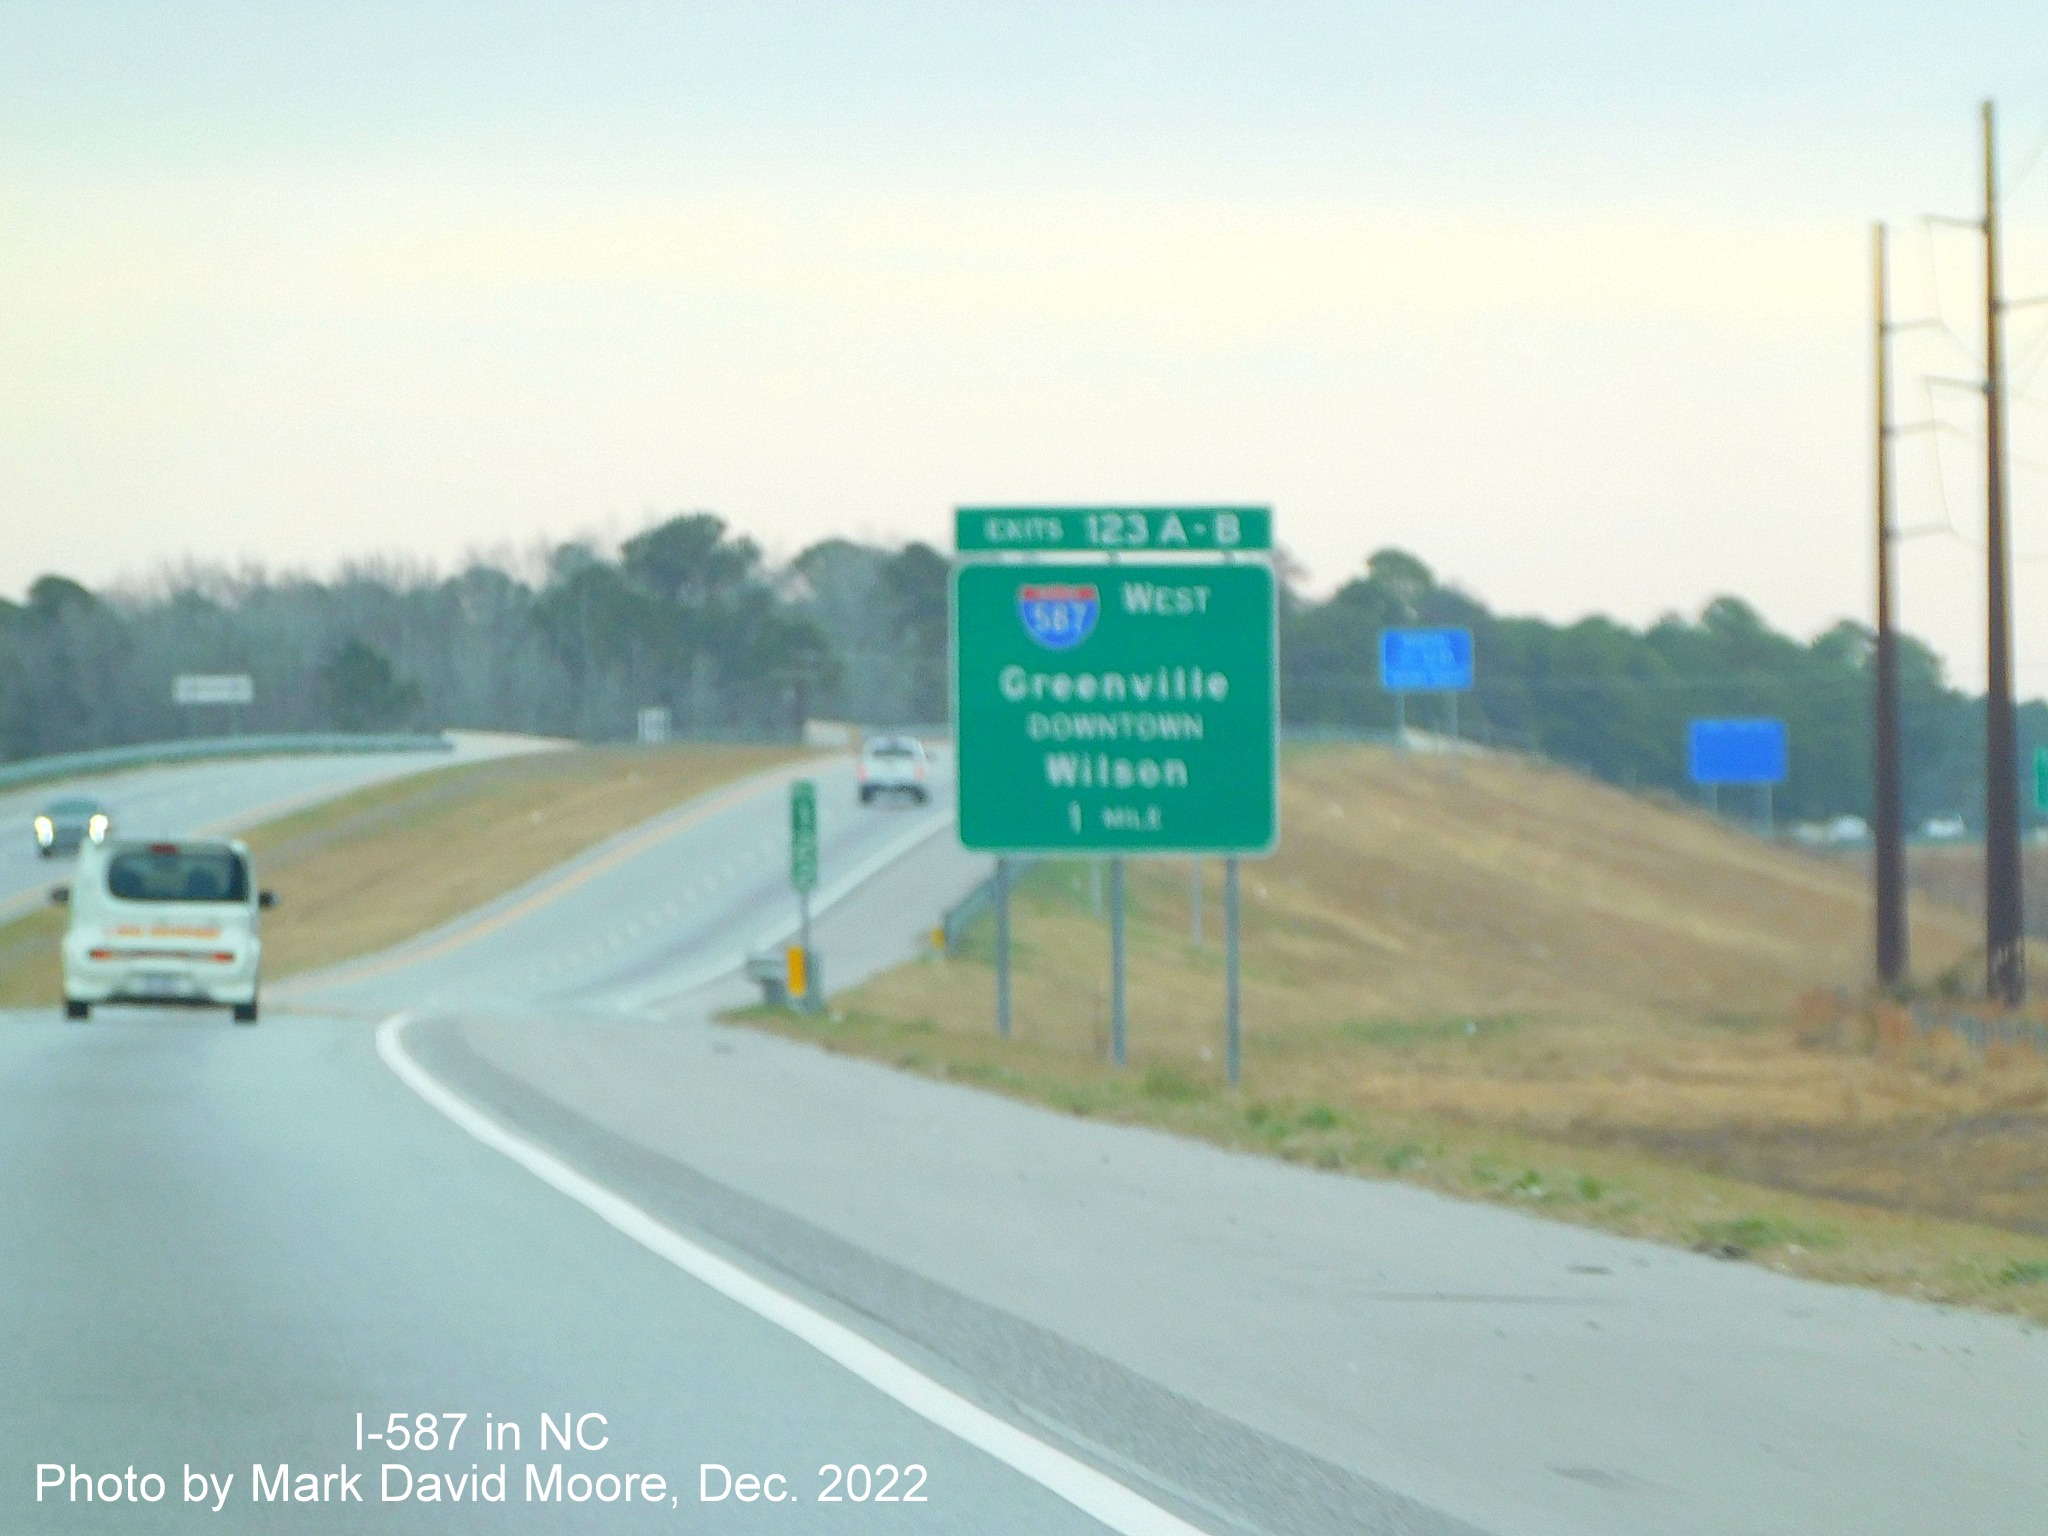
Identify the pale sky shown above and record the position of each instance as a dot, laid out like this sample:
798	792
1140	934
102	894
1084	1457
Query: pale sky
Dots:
1570	299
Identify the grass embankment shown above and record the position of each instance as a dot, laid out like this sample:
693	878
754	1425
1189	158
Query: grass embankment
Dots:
1518	985
368	870
1953	874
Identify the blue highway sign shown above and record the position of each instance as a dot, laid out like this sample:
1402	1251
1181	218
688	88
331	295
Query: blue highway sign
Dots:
1737	751
1426	660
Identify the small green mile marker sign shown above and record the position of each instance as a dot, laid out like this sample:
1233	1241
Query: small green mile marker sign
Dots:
1116	707
803	835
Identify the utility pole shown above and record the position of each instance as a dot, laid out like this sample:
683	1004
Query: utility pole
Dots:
2005	955
1888	807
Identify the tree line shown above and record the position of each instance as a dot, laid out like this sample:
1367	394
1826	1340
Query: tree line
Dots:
1616	701
686	615
690	615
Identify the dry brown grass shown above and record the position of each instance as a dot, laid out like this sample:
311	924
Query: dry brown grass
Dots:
1405	903
1953	875
28	960
358	874
1519	967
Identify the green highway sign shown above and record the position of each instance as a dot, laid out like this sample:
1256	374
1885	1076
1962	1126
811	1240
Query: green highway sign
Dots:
2041	778
1116	708
1122	530
803	835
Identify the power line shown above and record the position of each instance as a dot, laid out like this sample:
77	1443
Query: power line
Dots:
1976	440
2030	362
2033	158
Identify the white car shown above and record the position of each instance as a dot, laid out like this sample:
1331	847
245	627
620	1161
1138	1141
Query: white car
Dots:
894	765
164	923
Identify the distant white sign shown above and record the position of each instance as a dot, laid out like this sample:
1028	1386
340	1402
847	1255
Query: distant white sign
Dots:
654	726
213	688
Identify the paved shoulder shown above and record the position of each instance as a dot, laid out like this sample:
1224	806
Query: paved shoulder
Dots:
1218	1473
1517	1374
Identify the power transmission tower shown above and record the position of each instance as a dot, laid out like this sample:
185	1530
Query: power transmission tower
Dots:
2005	954
1888	807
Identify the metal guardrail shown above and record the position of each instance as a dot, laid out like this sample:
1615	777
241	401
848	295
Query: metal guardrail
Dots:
769	970
961	915
965	912
1474	736
1317	735
65	765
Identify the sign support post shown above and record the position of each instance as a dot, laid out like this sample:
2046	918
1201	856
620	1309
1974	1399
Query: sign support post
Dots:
1115	696
1233	1035
1425	661
1003	948
803	918
803	875
1739	751
1118	1048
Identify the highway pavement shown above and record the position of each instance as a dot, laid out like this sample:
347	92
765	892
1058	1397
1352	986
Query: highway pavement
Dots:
219	796
1295	1350
514	1168
223	1246
666	907
227	1244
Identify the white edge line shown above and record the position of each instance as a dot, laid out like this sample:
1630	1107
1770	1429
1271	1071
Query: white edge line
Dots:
1096	1495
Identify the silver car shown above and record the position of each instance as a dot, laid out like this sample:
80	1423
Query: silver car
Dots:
63	826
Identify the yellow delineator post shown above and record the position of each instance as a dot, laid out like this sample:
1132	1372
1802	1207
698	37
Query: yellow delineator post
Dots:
799	979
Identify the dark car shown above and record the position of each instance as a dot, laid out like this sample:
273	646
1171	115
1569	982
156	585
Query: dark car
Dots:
63	824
